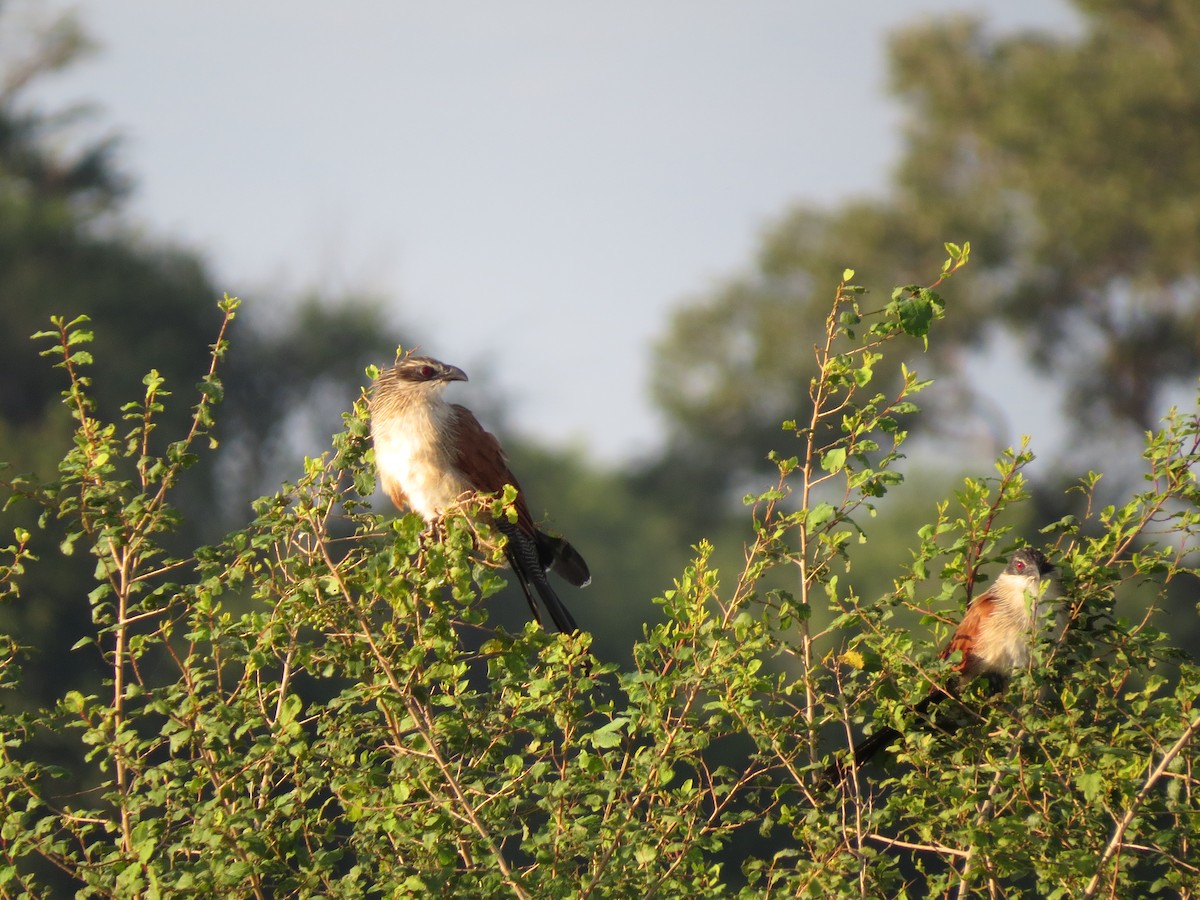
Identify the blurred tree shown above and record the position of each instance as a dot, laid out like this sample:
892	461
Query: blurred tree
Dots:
1072	164
64	250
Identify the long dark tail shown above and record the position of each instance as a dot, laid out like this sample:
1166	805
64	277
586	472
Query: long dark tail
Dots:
555	553
523	555
884	737
880	740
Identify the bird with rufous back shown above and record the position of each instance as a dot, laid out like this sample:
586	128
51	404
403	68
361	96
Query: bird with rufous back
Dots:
432	454
993	639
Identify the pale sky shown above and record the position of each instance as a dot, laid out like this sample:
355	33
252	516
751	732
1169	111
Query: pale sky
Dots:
532	185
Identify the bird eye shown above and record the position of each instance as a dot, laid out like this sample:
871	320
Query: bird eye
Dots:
426	371
1020	566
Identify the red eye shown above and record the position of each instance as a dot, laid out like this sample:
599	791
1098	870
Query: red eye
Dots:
1020	566
426	371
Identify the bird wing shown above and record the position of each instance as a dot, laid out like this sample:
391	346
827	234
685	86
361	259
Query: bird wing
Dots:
966	636
479	456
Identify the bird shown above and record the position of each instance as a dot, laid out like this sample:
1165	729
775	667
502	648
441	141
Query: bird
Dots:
993	638
431	454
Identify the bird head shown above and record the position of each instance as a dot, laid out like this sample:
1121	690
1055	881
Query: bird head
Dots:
1032	566
1029	563
418	373
427	370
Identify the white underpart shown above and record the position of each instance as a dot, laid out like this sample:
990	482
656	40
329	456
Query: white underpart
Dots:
1004	646
409	451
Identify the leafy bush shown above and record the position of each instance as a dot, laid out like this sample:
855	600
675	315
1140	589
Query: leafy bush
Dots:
317	704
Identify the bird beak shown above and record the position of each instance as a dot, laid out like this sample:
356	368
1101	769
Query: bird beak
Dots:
454	373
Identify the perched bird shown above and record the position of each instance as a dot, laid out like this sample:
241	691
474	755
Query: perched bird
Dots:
993	638
430	454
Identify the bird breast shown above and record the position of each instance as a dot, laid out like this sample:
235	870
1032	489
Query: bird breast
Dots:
1004	647
1002	644
412	450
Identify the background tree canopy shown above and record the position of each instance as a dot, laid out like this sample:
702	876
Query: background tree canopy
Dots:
1073	167
63	249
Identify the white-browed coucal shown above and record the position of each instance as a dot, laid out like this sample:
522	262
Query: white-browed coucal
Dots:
994	637
431	454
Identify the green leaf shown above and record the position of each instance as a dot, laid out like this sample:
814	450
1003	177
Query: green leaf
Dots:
608	735
820	514
1090	784
834	460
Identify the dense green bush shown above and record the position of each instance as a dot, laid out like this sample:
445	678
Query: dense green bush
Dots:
318	706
